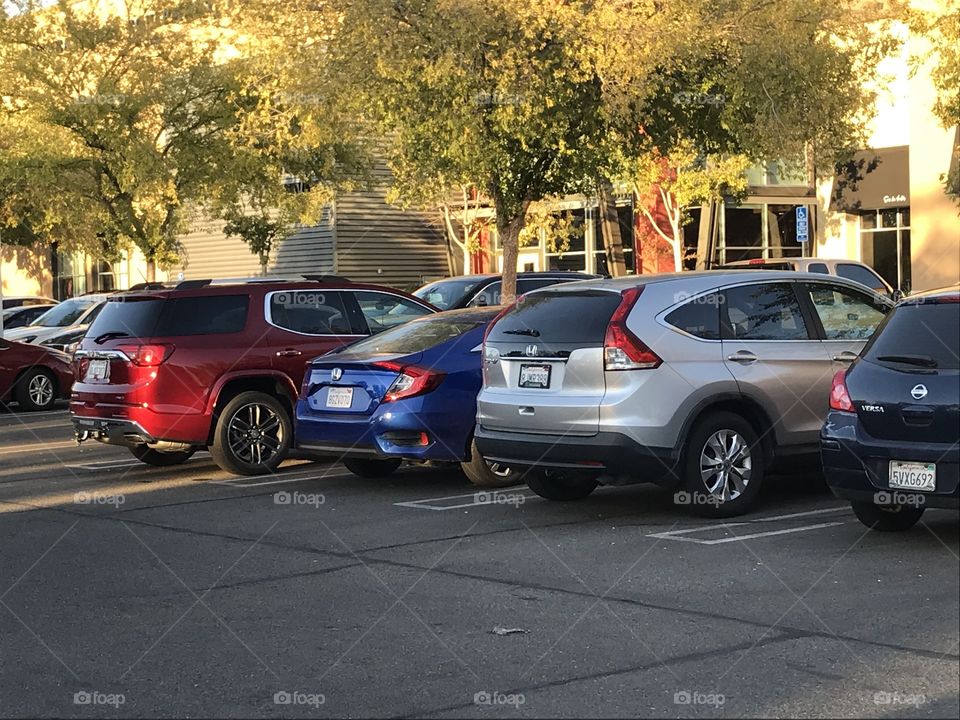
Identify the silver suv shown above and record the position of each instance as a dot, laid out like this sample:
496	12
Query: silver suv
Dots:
695	381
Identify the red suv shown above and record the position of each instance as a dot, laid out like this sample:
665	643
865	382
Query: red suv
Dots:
168	372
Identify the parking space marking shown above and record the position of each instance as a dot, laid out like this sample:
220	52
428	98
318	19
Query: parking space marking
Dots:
275	479
683	535
39	447
498	496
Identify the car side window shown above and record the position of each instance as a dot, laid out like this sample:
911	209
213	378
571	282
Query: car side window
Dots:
310	312
818	268
489	296
862	275
845	313
699	317
383	310
763	311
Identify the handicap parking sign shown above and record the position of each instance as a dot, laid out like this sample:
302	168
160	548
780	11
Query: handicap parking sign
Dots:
803	224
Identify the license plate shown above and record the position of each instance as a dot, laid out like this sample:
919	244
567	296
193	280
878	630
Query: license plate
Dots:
535	376
913	476
97	370
339	397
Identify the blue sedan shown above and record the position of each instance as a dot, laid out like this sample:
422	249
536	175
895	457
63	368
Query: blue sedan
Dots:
408	393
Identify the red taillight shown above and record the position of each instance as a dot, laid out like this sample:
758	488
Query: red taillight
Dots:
839	397
411	382
756	261
622	350
146	355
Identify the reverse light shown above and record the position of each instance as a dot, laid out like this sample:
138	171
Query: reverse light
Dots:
622	350
839	395
146	355
411	382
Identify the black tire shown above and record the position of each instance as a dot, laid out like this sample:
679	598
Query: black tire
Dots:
36	390
237	449
558	486
371	468
731	491
160	459
887	518
489	475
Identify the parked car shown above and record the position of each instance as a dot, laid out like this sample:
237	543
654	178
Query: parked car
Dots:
692	380
890	441
22	315
69	314
408	393
166	372
65	340
849	269
15	301
484	290
33	376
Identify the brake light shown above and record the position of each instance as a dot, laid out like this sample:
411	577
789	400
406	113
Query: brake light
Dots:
839	396
411	382
146	355
622	350
756	261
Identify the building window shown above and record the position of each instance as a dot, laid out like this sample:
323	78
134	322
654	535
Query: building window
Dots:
625	221
750	232
69	276
575	256
108	277
885	244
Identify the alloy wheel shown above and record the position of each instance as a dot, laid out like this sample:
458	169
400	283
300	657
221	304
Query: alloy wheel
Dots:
725	465
255	433
40	390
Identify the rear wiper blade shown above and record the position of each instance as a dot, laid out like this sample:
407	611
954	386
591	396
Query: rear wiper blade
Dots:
919	360
531	333
100	339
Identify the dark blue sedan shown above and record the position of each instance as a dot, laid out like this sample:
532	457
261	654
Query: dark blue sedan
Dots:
408	393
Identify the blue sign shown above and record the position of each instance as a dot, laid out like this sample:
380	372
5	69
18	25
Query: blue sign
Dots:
803	225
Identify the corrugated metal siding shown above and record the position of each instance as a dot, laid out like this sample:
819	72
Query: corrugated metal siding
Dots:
309	250
378	242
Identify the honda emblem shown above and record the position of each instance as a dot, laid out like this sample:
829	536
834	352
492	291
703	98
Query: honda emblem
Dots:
532	351
336	374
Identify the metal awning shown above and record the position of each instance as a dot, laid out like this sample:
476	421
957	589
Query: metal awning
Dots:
872	180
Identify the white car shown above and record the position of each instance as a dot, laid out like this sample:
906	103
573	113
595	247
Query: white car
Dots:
70	314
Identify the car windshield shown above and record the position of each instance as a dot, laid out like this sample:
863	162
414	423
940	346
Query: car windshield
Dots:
446	294
66	313
415	336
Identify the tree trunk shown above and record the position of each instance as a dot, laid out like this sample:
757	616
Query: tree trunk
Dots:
610	228
508	230
151	270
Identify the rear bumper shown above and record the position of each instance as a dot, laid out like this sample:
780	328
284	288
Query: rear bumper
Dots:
111	432
856	466
606	453
180	427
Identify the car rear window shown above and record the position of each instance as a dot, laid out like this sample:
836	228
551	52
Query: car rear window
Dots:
699	317
574	317
920	331
415	336
160	317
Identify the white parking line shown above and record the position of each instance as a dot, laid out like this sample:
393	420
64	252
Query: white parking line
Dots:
681	535
498	496
39	447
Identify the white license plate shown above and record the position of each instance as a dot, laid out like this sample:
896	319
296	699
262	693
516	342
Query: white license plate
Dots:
339	397
97	370
913	476
535	376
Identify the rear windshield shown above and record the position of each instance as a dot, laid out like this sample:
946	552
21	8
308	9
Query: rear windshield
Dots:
160	317
66	313
918	336
413	337
574	317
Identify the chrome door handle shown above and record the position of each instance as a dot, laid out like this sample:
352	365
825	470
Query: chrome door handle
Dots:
742	356
845	356
288	353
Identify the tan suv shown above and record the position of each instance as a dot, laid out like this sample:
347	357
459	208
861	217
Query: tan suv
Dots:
849	269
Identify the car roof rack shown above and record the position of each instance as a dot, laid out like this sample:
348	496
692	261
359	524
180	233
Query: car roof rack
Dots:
191	284
326	278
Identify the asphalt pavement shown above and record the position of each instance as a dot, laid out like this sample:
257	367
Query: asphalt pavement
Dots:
131	591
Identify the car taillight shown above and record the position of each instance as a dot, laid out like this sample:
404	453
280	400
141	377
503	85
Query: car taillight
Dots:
411	382
146	355
839	396
622	350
